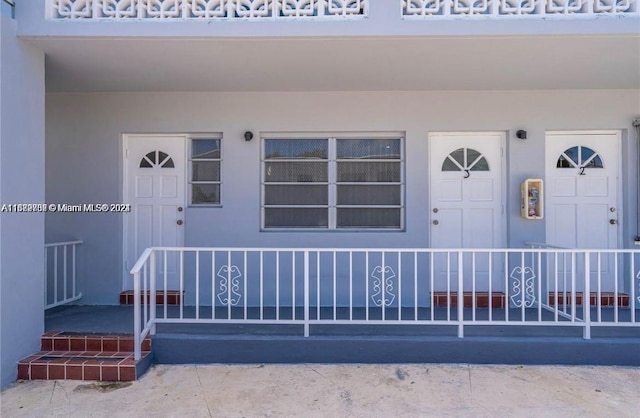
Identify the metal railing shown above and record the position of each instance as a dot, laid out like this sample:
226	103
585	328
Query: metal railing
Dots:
61	273
204	9
455	287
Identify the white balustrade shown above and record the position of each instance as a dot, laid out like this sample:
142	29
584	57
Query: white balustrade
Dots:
204	9
61	273
540	286
516	8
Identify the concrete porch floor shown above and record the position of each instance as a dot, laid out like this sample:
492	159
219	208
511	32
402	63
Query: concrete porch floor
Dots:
261	343
311	390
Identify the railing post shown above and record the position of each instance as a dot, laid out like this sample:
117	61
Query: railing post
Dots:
586	297
136	317
152	293
460	295
306	293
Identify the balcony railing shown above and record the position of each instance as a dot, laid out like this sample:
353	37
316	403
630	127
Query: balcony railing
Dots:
438	9
205	9
329	9
540	287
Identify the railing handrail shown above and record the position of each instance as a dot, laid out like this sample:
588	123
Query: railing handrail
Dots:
142	259
390	250
60	244
541	245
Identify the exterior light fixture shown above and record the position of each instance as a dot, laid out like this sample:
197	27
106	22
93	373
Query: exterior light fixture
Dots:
248	136
521	134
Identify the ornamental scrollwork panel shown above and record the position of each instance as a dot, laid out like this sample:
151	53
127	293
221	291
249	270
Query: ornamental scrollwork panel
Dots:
523	287
229	285
383	286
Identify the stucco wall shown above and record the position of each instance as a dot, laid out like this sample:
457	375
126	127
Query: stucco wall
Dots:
84	157
21	181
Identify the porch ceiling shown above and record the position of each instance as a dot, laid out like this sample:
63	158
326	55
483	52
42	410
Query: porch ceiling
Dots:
452	63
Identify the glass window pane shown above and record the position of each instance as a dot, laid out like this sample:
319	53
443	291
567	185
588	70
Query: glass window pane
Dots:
205	171
449	165
563	163
368	218
369	171
369	195
295	172
369	148
585	153
458	156
572	153
205	148
481	165
595	163
296	218
168	164
152	157
205	193
144	163
296	195
296	148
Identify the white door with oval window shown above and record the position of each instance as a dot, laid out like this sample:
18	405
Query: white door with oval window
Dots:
466	194
154	186
582	193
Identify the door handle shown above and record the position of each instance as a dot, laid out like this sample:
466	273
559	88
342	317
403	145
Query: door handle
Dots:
179	222
613	221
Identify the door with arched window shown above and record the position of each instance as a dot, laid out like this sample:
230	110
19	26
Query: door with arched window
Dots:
154	186
466	197
582	190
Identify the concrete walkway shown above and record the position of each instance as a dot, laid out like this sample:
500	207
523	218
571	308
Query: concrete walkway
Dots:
339	391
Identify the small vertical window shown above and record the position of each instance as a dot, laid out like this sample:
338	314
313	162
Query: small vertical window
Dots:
204	176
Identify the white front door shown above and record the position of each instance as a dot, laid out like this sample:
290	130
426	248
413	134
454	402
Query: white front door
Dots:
154	186
581	192
466	197
582	173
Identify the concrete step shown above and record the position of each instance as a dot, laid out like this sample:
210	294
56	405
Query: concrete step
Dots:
85	356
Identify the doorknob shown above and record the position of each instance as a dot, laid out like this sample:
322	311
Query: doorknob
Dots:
179	222
435	222
613	221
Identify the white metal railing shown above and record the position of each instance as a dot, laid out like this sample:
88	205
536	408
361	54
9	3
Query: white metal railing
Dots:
61	273
204	9
530	286
447	9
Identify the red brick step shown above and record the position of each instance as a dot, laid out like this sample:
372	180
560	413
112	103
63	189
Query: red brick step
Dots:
173	297
81	356
482	299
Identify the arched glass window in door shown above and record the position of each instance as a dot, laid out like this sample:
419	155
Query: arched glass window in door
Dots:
579	157
156	159
466	160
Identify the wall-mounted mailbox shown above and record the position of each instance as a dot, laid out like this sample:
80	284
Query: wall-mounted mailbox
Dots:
532	206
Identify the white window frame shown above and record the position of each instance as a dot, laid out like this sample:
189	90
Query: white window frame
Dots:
332	183
212	136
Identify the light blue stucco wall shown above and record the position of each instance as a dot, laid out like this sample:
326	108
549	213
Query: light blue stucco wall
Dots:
21	181
84	158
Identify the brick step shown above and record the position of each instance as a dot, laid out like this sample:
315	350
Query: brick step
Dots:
606	298
482	299
173	297
85	356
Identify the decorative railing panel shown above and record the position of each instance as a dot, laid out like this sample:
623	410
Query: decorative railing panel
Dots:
205	9
539	286
515	8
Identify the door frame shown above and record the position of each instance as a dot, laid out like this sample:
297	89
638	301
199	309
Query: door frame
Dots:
127	138
619	190
503	180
